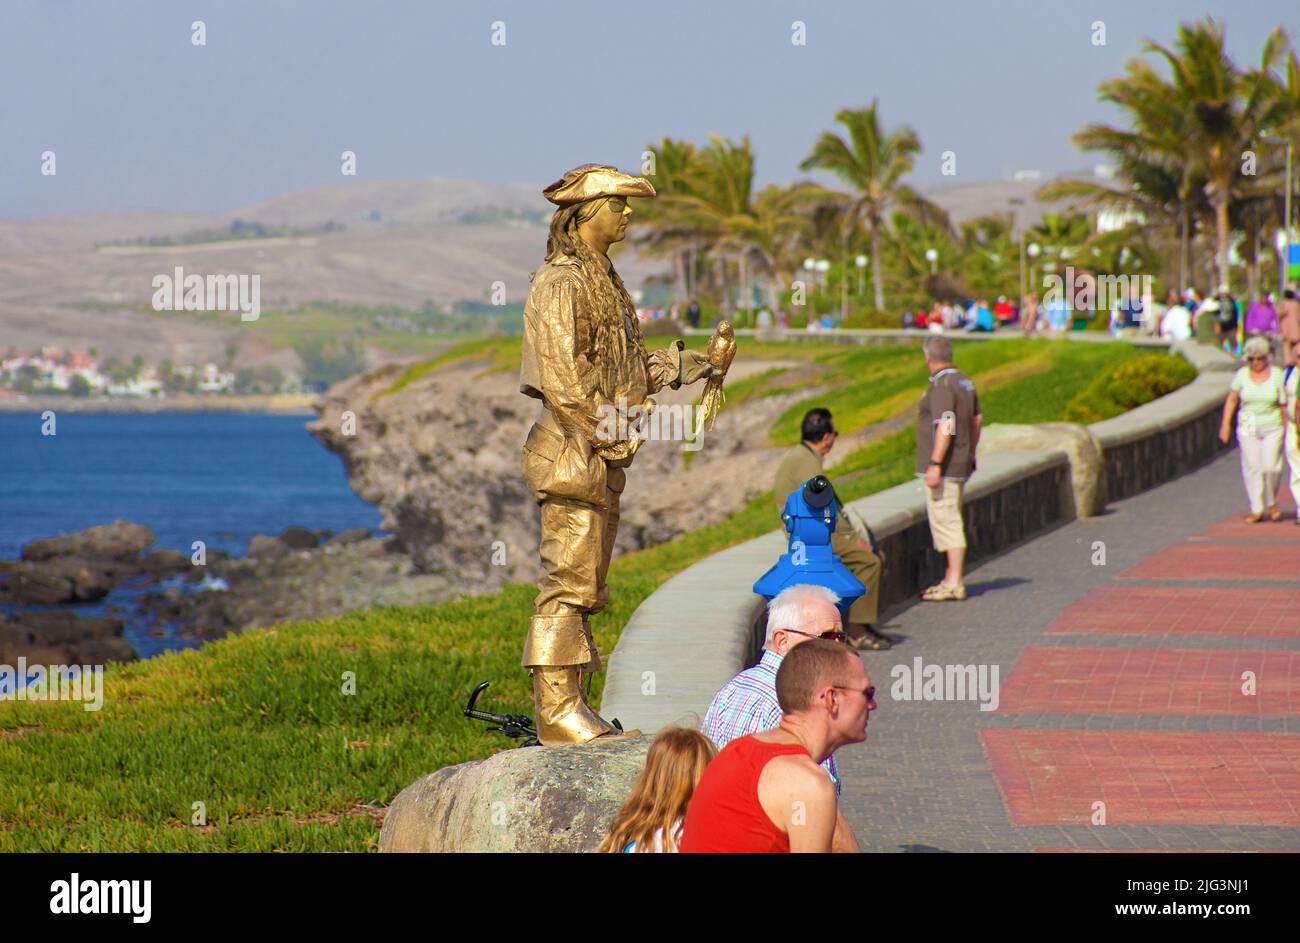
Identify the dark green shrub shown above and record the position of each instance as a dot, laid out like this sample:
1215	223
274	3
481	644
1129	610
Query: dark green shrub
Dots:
1139	381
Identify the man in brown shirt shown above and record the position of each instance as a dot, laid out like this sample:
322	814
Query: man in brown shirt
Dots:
947	433
850	541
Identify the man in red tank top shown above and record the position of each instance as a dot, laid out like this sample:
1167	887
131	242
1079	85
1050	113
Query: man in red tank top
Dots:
765	792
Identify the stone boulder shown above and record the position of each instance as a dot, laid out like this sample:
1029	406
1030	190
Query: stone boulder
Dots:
1073	439
262	547
120	540
525	799
165	562
58	580
299	538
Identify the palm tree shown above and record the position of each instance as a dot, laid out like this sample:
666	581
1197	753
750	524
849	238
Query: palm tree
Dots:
716	192
1156	184
1225	110
872	163
655	230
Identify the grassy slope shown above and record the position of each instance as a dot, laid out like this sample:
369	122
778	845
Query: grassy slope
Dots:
256	726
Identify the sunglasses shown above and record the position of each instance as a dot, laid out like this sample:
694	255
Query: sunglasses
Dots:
834	635
1253	359
869	693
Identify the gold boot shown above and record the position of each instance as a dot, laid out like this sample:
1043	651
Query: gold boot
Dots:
562	712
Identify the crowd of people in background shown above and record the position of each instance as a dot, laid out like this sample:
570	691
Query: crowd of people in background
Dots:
1181	316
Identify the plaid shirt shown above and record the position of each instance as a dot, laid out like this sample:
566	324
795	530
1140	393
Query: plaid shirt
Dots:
747	704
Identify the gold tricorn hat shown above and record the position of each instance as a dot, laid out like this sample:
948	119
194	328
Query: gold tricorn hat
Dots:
595	180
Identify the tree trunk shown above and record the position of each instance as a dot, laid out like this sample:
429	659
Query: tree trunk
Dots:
1183	247
1223	233
876	280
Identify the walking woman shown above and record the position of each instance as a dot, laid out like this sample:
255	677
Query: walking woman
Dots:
1257	397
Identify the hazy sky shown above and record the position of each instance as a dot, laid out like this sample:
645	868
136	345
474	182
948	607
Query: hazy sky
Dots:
140	118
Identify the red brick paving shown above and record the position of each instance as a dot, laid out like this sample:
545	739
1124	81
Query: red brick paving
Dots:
1053	777
1221	561
1266	612
1284	531
1151	777
1177	681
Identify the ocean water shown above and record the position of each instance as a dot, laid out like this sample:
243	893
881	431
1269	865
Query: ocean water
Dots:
211	476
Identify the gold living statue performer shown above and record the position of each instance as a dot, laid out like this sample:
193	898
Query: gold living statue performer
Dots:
584	358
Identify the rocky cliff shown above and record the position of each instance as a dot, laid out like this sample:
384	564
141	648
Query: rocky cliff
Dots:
441	458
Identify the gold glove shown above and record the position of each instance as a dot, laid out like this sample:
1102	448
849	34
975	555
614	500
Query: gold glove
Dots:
695	366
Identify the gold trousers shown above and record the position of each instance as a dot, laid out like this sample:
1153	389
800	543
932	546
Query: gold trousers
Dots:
867	567
577	542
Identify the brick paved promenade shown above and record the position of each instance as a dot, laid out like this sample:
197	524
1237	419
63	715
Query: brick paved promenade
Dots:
1121	690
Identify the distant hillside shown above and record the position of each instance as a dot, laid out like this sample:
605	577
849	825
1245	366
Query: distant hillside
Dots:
77	280
413	203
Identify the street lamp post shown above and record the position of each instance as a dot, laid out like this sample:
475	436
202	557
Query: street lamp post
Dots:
809	267
931	256
1024	282
861	263
823	279
1286	225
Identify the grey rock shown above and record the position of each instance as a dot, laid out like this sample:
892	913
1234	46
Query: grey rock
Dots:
526	799
1075	440
299	538
120	540
101	651
262	547
350	536
59	579
165	562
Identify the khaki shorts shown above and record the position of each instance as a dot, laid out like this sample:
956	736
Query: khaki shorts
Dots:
943	506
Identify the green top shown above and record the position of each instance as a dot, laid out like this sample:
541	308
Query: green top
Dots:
1259	408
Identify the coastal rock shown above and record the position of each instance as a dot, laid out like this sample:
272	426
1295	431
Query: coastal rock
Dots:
120	540
59	580
60	627
264	547
165	562
299	538
350	536
61	637
103	651
441	457
526	799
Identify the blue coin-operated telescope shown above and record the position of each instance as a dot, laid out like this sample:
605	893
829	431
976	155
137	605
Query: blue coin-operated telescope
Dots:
809	517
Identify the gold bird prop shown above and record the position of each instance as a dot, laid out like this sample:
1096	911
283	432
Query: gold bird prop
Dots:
720	352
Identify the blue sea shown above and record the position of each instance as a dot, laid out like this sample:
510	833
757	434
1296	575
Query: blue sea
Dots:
211	476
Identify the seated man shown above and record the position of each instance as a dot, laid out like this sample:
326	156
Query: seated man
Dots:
850	541
764	792
748	702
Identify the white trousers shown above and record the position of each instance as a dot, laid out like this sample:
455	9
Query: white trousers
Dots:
1293	461
1261	464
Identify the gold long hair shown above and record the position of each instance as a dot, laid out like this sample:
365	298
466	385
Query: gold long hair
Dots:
609	298
673	768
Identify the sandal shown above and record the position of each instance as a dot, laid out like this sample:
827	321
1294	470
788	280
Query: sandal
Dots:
1253	518
869	642
941	593
1274	515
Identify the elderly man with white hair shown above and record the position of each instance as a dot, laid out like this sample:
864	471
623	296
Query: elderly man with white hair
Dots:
747	703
